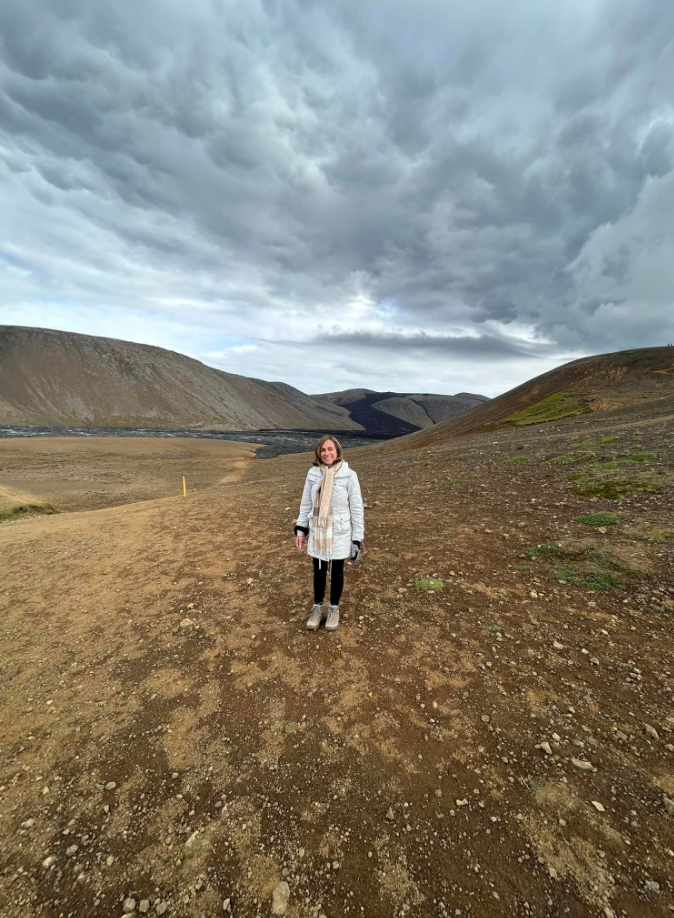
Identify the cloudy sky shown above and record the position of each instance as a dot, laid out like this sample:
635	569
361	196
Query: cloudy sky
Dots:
420	195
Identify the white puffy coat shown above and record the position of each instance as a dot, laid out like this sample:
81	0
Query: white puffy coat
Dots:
348	524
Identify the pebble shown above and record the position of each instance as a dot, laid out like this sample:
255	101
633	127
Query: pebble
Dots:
557	645
28	824
598	806
583	765
390	815
463	802
73	849
651	732
111	785
652	885
129	905
49	861
226	907
280	898
144	906
546	748
161	907
669	804
187	622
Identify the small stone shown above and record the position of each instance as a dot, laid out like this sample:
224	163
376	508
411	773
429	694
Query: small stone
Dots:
129	906
28	824
485	718
390	815
73	849
111	785
669	804
546	748
438	793
582	765
608	912
49	861
651	732
463	802
186	623
598	806
280	898
226	906
109	860
144	906
652	885
161	907
557	645
553	872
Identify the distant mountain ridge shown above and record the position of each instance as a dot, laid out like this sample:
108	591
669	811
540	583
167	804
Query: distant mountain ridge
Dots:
410	411
55	378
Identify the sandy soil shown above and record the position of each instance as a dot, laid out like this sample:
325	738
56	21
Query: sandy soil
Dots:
172	734
79	473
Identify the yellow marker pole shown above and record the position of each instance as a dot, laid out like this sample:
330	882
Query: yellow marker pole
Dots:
184	487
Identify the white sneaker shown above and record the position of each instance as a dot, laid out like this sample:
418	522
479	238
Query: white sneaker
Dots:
332	623
316	618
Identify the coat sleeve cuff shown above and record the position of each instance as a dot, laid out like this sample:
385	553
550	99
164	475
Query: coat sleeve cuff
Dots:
357	542
301	529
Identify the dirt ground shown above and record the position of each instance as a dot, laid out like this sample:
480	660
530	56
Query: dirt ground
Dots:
80	473
502	746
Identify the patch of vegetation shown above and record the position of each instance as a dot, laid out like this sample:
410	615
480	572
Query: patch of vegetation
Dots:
451	481
570	458
580	477
429	583
491	628
602	518
597	441
662	535
515	459
546	550
591	578
641	457
601	466
553	408
19	510
522	567
615	488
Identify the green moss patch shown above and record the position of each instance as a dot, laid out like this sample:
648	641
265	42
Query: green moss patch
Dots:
553	408
602	518
591	578
546	550
19	510
615	488
429	583
570	458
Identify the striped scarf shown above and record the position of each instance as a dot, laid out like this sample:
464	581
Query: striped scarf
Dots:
322	512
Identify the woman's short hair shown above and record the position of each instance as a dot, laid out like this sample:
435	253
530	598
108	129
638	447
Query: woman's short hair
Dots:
319	447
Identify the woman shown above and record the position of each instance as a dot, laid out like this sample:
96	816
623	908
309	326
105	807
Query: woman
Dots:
331	514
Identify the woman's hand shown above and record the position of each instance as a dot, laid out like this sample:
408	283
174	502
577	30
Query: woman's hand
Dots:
299	542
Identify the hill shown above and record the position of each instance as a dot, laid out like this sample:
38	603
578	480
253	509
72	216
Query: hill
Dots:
55	378
591	384
410	411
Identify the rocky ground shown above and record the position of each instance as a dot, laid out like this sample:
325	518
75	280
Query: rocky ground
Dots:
174	742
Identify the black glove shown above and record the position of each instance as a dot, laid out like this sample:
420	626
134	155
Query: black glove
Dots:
355	551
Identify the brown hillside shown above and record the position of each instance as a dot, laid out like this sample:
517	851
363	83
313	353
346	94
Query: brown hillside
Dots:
55	378
599	383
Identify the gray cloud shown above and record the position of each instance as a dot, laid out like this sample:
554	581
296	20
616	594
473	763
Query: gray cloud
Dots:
485	181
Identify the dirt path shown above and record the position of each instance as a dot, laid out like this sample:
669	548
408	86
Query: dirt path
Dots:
171	733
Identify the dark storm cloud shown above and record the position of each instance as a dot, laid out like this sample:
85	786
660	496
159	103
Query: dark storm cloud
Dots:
459	165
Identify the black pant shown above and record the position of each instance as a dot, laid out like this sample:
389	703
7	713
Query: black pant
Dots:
336	580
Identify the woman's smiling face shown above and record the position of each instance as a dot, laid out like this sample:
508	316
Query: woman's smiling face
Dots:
328	453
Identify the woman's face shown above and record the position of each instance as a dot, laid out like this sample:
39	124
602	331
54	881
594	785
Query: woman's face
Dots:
328	453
